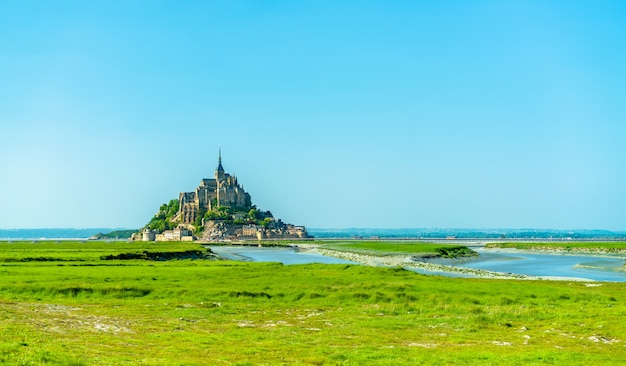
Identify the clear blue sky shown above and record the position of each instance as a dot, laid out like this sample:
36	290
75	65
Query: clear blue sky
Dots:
449	114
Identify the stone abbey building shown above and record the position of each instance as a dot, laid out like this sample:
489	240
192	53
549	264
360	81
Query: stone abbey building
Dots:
222	190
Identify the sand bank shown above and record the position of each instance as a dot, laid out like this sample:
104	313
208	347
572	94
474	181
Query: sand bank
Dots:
412	262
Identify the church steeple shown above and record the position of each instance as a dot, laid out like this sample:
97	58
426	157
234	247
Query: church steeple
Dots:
219	171
219	176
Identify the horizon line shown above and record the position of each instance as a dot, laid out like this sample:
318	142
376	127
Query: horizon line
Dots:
349	228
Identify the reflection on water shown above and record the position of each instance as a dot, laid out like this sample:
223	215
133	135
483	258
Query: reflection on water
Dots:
598	268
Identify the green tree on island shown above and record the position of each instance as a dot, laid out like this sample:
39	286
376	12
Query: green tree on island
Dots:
162	220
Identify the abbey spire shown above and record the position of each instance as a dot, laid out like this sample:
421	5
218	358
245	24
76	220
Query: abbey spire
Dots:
219	171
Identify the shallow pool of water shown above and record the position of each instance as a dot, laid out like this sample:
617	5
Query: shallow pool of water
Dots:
282	255
593	267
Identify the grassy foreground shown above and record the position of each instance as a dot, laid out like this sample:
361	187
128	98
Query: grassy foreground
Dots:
200	312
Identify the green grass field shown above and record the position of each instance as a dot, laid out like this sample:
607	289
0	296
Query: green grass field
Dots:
198	312
83	251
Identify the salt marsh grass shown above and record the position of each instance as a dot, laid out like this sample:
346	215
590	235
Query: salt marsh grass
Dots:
72	251
197	312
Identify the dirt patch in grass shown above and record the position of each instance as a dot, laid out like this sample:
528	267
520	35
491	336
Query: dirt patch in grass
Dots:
56	318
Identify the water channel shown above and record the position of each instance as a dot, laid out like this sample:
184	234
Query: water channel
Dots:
282	255
591	267
604	267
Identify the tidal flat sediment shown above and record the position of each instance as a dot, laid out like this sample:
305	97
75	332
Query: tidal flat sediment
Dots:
413	262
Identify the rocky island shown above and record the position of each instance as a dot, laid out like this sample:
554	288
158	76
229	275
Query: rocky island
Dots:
218	209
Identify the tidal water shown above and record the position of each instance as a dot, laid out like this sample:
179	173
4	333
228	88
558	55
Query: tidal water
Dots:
282	255
593	267
590	267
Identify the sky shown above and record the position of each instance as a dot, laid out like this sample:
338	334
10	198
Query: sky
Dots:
332	114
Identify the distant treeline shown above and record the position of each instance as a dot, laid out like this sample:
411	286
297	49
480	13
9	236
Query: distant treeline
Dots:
117	234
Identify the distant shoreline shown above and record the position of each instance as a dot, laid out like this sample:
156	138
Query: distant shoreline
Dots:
452	235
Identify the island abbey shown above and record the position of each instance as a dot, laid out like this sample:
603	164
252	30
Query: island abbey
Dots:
223	190
218	209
